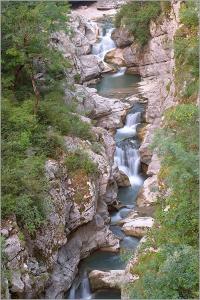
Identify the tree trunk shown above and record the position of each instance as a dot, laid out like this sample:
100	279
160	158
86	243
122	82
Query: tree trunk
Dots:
37	95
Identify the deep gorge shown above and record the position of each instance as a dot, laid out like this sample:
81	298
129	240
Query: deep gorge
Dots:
108	196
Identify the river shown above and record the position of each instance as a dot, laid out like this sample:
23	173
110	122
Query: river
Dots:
118	85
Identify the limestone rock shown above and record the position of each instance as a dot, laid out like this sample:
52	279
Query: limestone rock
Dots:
109	4
86	239
138	227
16	282
13	247
149	192
115	57
89	67
108	112
122	37
110	279
121	178
154	166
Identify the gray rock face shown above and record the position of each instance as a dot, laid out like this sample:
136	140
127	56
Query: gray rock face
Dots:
122	37
77	48
109	4
121	178
87	238
107	112
149	192
90	67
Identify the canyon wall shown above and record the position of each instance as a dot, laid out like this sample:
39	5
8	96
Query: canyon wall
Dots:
45	264
155	63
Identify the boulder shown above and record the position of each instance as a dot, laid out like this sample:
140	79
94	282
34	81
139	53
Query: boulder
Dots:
115	57
107	4
16	282
138	227
149	192
89	67
108	112
110	279
121	178
154	166
122	37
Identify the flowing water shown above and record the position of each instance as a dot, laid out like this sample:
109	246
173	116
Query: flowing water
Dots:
128	160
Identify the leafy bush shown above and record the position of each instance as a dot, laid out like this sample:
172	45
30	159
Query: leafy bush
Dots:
189	14
186	46
80	160
136	17
172	272
54	112
96	147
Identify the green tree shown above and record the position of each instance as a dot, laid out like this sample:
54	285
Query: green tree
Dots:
26	48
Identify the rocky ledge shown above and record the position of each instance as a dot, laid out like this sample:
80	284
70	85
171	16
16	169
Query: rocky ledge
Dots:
110	279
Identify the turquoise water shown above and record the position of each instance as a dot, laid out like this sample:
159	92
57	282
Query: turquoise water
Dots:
118	85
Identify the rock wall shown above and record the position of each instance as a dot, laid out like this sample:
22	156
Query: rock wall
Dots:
45	264
155	63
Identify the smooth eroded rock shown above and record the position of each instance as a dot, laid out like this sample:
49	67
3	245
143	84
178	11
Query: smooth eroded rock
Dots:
121	178
149	192
110	279
138	227
122	37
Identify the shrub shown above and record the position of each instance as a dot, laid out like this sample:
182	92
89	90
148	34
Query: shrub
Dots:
80	160
172	272
96	147
136	17
186	49
189	14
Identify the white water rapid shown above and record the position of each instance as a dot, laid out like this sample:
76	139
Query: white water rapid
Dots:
104	45
126	156
81	288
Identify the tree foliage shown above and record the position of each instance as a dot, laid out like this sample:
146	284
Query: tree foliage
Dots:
136	16
26	48
34	115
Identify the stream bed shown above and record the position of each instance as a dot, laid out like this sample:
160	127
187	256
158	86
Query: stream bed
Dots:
117	85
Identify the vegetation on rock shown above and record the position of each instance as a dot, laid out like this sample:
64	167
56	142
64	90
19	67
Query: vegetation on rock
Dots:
80	160
136	17
171	270
186	45
34	115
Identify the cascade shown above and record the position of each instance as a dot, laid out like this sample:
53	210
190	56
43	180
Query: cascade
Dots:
104	45
128	160
80	288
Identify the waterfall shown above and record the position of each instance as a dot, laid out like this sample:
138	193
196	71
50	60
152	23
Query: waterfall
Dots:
121	72
85	287
130	128
80	288
126	155
104	45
